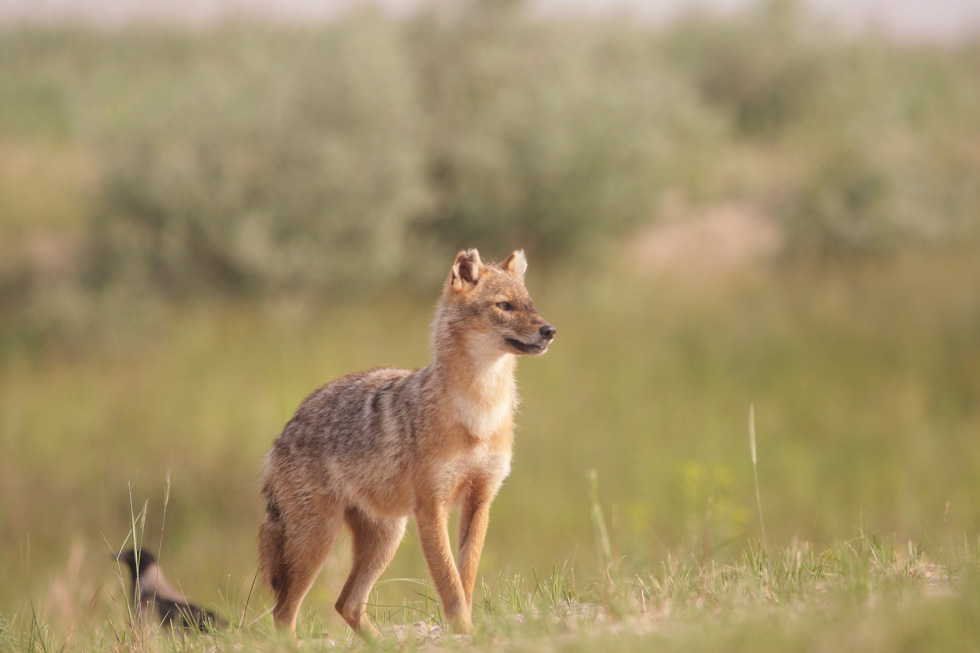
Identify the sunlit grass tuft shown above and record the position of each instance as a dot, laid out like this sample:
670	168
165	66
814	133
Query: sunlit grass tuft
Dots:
867	590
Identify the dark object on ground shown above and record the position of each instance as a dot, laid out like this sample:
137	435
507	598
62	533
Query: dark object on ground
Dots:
152	595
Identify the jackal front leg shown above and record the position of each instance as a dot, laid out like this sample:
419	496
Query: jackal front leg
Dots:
433	523
473	521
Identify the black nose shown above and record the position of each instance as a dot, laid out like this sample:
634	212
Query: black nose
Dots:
548	332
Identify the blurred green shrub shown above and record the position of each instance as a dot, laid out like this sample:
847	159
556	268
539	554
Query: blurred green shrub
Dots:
275	164
345	156
879	142
560	137
250	158
889	153
761	67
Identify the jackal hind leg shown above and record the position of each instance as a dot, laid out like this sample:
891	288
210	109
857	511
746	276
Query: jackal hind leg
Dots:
307	536
373	544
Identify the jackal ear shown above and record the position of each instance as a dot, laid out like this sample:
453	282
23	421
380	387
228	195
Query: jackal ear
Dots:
466	270
516	263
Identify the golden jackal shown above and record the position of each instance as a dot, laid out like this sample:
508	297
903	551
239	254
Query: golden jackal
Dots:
370	449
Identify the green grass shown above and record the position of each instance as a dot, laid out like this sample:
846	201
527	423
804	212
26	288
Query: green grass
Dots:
863	379
866	593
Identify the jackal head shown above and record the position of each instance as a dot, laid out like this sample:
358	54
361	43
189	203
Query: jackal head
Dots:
491	306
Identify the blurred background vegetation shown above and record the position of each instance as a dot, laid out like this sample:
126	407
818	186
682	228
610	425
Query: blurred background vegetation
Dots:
198	227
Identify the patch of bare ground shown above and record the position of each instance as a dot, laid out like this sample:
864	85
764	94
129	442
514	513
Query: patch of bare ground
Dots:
705	242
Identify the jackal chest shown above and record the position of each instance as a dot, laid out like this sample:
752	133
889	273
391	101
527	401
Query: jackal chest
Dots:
480	418
481	467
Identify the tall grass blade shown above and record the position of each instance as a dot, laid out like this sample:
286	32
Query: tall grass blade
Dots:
755	471
603	547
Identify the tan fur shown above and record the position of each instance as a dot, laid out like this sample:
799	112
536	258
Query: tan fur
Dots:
370	449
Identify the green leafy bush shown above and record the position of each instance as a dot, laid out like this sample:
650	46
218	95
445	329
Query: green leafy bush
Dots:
276	164
252	158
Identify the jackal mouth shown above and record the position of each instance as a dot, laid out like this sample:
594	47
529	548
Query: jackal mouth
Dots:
527	347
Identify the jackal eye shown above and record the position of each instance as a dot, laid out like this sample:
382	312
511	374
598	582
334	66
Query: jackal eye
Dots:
505	306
